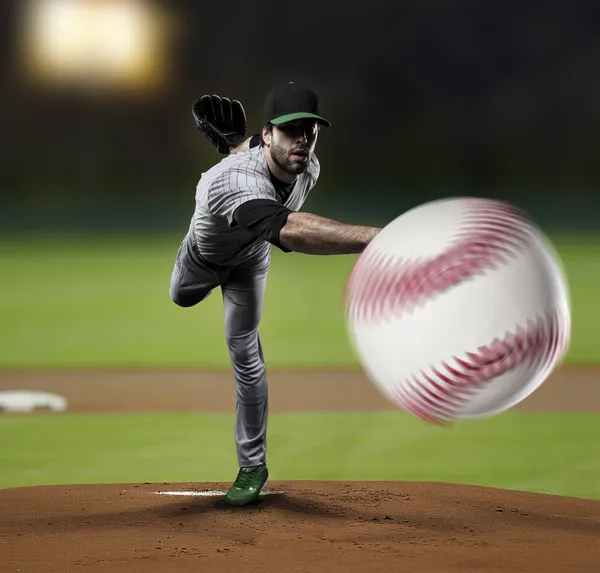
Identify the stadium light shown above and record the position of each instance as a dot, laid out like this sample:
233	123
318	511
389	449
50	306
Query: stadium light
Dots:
108	43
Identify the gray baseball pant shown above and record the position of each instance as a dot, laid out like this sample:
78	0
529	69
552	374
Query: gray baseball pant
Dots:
243	288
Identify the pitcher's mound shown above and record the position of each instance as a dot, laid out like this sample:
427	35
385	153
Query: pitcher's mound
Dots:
296	526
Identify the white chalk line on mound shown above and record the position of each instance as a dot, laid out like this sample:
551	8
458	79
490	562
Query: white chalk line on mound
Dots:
209	493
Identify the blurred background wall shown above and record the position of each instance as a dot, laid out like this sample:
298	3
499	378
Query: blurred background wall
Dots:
428	98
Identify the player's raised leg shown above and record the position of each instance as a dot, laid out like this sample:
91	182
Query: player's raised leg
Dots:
243	296
192	280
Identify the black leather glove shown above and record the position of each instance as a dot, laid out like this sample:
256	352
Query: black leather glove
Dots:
221	120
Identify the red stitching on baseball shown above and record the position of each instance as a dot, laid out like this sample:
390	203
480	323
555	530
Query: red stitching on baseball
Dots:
534	347
382	286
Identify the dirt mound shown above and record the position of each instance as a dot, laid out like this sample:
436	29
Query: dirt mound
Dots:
297	526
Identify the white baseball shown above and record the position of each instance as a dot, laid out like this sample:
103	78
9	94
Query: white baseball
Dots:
459	308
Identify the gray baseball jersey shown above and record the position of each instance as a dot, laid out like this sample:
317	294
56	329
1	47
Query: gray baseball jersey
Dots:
218	252
223	188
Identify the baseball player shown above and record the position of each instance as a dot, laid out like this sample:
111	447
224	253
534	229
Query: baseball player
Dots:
246	203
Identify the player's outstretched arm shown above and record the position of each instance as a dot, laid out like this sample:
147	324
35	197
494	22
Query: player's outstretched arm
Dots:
316	235
301	232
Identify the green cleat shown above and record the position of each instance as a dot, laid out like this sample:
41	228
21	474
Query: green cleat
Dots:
247	485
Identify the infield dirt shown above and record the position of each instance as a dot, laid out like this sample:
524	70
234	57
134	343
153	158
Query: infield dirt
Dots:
298	526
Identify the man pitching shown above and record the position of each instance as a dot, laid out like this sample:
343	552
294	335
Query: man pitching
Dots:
244	204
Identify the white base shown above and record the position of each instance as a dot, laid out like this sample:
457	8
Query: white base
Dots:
28	401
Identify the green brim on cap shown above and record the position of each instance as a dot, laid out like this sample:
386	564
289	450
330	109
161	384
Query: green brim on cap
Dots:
300	115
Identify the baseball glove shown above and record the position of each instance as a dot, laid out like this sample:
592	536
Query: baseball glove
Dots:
221	120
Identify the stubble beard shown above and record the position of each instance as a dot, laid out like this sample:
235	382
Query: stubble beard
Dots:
282	159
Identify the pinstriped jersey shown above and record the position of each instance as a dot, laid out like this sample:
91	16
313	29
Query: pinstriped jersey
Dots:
223	188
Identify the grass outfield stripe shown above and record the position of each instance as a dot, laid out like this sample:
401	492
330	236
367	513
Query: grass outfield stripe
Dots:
104	303
546	453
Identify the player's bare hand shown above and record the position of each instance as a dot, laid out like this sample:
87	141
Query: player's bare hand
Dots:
221	120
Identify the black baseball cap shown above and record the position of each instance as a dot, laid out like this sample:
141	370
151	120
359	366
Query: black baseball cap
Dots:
291	102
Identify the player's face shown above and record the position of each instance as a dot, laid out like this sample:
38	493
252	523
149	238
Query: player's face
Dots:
291	144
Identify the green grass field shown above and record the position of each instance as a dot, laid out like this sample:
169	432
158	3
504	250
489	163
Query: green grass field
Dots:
104	304
88	302
547	453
